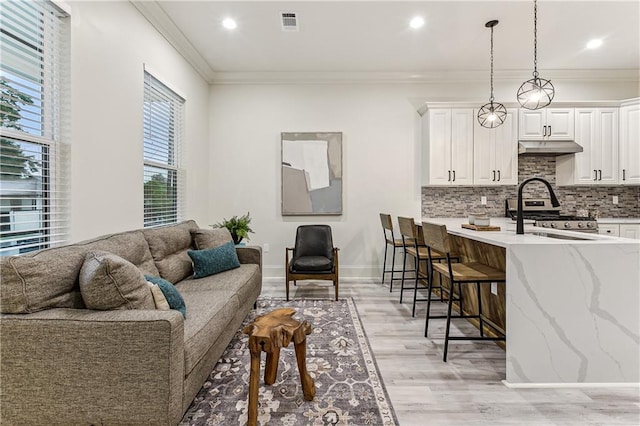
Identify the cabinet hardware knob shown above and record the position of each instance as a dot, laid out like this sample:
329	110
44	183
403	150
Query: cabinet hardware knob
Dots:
494	176
449	176
624	177
498	175
600	174
595	175
549	130
544	130
454	175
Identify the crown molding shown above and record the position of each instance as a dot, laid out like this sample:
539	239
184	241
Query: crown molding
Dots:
155	14
318	77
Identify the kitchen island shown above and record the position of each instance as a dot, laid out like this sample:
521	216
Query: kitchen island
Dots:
572	306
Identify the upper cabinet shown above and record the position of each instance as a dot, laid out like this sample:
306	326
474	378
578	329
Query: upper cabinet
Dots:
596	130
554	124
450	146
496	152
629	173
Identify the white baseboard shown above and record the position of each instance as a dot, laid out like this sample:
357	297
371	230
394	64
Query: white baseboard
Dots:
568	385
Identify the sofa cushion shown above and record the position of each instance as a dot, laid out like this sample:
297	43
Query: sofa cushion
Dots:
209	315
48	278
214	260
108	281
171	293
169	246
245	282
210	238
131	246
40	280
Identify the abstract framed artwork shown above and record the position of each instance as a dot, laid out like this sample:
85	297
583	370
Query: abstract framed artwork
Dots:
311	173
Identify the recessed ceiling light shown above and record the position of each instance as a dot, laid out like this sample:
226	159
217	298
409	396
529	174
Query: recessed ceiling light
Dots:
229	24
594	44
416	22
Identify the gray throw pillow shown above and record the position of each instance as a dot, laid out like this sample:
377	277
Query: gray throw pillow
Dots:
110	282
210	238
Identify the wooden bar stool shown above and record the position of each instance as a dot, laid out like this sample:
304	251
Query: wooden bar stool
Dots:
410	245
268	333
421	254
475	273
390	240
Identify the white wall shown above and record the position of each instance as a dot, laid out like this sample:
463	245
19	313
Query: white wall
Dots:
110	42
381	148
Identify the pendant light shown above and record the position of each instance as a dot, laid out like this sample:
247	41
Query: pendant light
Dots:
492	114
537	92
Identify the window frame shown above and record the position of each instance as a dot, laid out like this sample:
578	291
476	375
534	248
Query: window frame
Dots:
156	148
36	65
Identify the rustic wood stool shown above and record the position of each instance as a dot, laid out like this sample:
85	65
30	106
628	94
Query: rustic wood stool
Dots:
269	333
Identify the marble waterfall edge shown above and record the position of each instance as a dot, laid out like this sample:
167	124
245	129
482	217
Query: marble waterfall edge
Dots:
573	314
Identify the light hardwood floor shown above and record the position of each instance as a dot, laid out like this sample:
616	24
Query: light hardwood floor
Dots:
467	389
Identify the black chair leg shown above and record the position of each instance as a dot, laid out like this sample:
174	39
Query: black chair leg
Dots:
393	268
446	335
404	267
479	290
384	263
426	325
415	289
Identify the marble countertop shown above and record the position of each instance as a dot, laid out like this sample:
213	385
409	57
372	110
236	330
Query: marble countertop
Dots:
507	234
622	220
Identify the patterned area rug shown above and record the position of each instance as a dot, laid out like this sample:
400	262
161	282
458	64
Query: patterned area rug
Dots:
349	389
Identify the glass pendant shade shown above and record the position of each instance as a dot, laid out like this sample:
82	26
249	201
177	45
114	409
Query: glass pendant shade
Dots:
492	114
537	92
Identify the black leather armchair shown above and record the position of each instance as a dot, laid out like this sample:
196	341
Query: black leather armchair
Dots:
313	258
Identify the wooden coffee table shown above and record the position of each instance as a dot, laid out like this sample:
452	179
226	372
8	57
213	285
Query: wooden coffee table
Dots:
268	333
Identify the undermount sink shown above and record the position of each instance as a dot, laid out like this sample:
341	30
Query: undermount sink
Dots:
559	236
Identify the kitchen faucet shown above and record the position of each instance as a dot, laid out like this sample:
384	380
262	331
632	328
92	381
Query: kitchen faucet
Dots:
520	217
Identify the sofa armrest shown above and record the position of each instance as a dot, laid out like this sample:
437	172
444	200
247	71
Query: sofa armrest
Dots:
250	254
73	366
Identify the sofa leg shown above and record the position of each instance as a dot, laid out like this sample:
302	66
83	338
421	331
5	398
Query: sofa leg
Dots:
255	305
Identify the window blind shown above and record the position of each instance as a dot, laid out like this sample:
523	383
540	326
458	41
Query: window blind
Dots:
163	179
34	71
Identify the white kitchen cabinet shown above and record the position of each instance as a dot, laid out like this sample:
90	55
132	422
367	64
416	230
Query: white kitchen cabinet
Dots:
450	146
609	229
630	230
553	124
623	230
495	152
596	130
629	172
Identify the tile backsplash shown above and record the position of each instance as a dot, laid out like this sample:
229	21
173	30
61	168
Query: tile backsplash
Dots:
456	201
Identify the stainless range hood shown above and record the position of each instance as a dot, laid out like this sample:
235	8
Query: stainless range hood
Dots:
548	148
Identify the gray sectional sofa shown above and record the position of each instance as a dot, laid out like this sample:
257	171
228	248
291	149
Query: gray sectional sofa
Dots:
61	363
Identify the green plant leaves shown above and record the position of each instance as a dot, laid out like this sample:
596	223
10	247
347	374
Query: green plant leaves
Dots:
237	225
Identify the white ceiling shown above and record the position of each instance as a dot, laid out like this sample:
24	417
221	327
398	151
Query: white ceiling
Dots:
359	36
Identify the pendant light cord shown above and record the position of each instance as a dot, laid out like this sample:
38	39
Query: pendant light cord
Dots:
491	98
535	38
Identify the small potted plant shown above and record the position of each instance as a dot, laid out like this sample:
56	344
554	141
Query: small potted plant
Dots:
237	226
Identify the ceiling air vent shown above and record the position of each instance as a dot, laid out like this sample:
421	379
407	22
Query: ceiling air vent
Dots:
289	21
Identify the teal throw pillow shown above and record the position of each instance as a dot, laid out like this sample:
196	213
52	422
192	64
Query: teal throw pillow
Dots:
212	261
171	293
